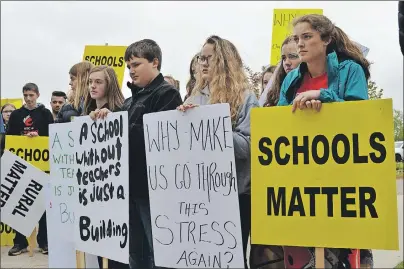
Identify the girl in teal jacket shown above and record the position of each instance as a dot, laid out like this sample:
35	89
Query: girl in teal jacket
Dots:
333	69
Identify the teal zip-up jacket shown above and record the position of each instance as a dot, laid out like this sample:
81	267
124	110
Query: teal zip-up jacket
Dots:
346	82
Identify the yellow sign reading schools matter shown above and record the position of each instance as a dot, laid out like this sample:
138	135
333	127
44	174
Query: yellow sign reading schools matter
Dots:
282	28
324	179
112	56
17	102
34	150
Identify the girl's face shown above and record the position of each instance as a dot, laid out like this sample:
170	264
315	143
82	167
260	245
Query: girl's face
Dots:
266	79
310	46
97	85
7	112
290	58
205	61
73	82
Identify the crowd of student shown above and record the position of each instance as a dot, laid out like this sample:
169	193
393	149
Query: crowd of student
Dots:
319	64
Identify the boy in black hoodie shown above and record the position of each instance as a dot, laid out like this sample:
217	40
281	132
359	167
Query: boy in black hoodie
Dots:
32	119
150	93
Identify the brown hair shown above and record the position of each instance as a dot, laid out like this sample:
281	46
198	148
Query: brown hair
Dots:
192	79
269	69
113	94
81	71
278	77
173	81
340	42
8	104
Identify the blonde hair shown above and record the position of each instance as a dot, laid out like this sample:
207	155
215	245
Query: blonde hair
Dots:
340	42
82	72
229	80
113	93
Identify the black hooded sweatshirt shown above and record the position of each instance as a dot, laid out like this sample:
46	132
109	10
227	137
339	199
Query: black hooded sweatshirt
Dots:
159	95
23	121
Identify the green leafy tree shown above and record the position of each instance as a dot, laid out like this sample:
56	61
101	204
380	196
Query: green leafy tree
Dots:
255	79
398	125
377	93
374	91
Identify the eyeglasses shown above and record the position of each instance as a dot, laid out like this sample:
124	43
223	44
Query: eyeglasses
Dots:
7	111
202	59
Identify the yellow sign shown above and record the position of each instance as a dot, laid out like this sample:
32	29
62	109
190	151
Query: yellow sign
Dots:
17	102
7	235
324	179
34	150
282	28
112	56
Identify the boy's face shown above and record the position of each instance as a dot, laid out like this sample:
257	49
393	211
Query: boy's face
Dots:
30	98
56	103
141	71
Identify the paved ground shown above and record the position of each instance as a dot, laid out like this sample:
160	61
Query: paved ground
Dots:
382	258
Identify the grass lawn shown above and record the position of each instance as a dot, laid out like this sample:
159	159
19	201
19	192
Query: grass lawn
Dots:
399	170
400	265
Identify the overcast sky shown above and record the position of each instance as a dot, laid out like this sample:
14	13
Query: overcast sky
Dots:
40	41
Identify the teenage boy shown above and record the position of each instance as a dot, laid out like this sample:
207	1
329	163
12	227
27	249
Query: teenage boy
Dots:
32	120
58	99
150	93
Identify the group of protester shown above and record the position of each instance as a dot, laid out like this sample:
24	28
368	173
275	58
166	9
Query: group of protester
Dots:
319	64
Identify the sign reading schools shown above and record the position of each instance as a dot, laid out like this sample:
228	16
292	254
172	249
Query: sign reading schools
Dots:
282	27
32	149
336	182
107	55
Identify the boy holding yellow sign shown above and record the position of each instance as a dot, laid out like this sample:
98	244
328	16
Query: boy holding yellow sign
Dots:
31	120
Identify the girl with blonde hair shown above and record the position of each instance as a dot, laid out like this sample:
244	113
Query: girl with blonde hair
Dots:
79	74
221	79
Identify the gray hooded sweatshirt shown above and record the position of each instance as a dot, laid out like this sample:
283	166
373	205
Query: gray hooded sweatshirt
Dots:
241	136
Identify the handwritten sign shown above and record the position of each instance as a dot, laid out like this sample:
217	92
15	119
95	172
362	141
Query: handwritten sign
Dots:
102	186
335	182
32	149
282	28
107	55
60	210
193	188
22	193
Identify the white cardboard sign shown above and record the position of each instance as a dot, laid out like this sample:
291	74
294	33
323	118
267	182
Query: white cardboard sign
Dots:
101	225
22	193
193	188
60	214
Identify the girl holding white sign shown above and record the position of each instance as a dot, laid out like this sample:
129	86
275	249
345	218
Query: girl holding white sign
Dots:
333	69
222	80
104	95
